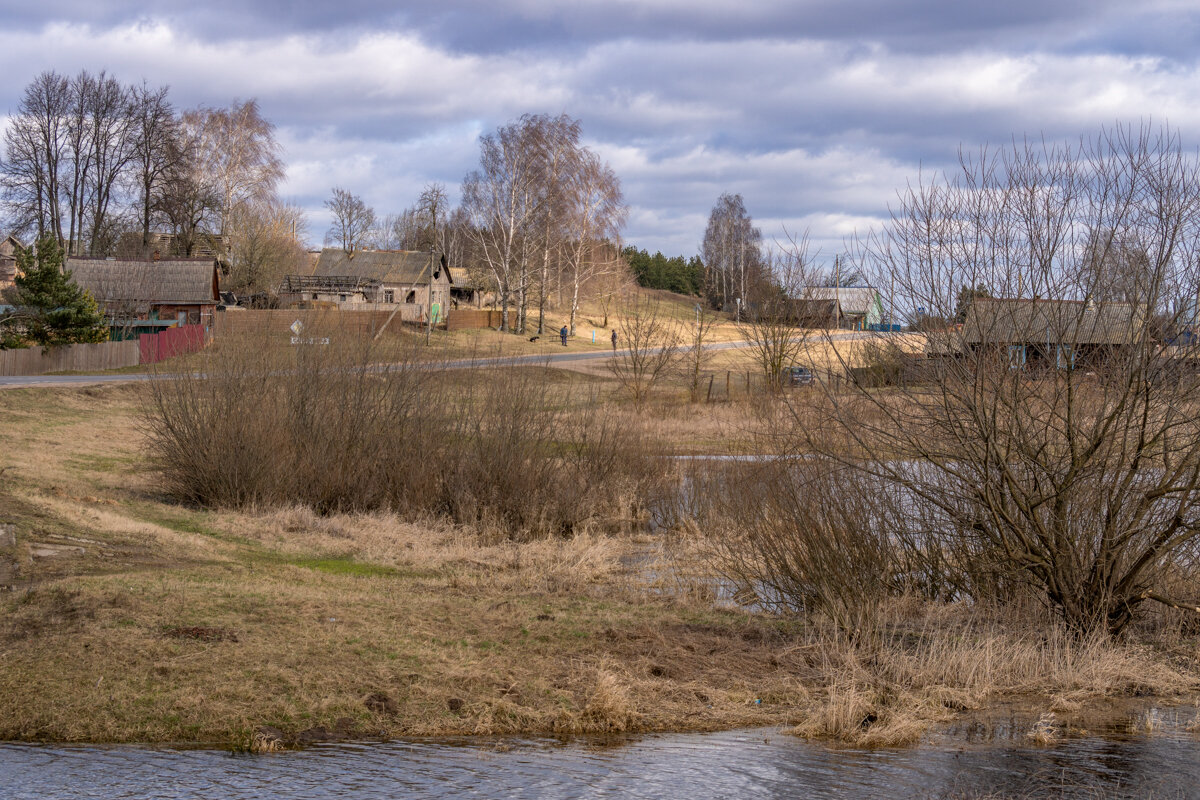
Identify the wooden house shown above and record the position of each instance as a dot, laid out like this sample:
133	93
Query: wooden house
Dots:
9	248
1049	333
374	279
855	307
167	292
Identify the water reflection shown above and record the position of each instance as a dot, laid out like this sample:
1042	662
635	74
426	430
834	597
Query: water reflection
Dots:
735	764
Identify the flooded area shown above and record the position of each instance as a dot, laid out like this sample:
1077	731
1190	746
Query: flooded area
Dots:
1145	754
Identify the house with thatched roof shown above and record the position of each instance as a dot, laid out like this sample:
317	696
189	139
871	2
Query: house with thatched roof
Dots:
374	278
159	293
1055	333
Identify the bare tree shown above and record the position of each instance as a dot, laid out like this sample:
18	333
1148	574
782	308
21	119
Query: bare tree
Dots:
1052	446
696	357
773	324
190	199
66	153
237	150
267	243
732	254
35	151
594	215
353	221
108	152
155	145
432	210
650	347
501	200
560	156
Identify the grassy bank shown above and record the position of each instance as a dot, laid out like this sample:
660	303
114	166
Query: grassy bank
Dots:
135	618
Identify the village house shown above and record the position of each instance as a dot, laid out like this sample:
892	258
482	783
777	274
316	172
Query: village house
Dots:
854	307
1049	333
169	245
374	279
9	248
141	296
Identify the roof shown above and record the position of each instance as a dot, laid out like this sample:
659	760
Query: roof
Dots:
812	311
327	283
179	281
204	245
1000	320
852	299
9	246
386	266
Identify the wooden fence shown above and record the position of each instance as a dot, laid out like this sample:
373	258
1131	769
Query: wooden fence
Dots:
276	323
463	318
149	348
154	347
71	358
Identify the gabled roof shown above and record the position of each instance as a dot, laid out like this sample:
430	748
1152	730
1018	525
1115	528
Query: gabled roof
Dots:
1013	320
392	267
852	299
178	281
9	246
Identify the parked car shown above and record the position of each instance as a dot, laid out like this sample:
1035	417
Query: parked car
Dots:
796	376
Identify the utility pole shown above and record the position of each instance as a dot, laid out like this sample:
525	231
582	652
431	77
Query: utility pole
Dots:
892	302
837	294
429	298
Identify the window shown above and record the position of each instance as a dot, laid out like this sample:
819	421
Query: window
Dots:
1016	356
1066	356
389	296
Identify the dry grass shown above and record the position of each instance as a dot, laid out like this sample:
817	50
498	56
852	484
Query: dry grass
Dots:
179	624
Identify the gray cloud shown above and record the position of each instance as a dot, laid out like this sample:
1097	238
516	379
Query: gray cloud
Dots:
817	114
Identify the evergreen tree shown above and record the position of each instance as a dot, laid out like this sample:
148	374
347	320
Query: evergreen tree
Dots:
49	309
966	296
675	274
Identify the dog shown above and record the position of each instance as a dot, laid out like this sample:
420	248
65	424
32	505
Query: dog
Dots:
534	338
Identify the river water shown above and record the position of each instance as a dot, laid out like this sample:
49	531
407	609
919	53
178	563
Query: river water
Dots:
971	760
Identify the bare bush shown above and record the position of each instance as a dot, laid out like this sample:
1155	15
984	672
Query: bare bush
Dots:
650	342
326	427
697	355
1054	448
774	324
799	537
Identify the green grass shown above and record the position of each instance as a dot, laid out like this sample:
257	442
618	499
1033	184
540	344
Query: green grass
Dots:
345	566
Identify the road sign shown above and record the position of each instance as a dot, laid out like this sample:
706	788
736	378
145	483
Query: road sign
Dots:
296	327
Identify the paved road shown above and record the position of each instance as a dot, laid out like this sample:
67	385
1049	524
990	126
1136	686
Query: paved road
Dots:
61	381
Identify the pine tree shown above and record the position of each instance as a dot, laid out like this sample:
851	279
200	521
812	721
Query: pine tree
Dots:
49	309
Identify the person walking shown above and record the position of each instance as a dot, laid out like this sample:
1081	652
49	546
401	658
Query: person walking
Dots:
563	334
614	340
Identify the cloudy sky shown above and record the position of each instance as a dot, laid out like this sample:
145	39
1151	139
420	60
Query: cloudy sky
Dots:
816	111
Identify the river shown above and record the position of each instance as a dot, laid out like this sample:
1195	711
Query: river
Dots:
969	760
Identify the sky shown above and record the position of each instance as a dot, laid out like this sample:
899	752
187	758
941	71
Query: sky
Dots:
818	112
